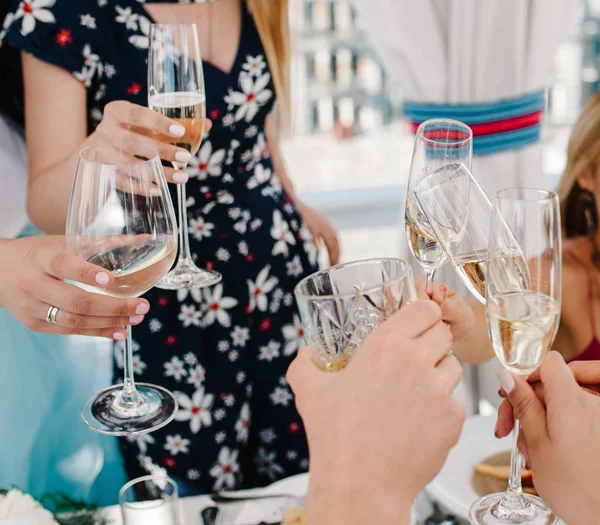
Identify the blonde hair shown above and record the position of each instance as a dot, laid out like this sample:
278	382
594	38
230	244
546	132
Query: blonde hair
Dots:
578	206
272	22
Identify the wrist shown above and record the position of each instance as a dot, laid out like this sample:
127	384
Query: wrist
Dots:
338	500
4	250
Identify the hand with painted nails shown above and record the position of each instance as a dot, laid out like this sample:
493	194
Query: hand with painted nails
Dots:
560	436
33	271
127	122
365	424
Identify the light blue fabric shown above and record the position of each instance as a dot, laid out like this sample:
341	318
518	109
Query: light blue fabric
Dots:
44	444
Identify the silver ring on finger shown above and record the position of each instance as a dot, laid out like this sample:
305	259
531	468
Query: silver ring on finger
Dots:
51	315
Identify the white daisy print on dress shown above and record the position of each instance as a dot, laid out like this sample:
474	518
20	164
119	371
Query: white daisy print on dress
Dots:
269	351
260	288
225	469
195	293
200	229
242	425
175	369
240	336
196	376
309	245
91	66
189	315
293	335
206	162
268	435
119	348
142	41
265	462
252	96
254	65
280	231
142	441
88	21
177	445
126	16
193	474
195	410
217	306
294	267
260	176
33	11
281	396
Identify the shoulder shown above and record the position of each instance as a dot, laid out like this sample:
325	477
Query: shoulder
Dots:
72	34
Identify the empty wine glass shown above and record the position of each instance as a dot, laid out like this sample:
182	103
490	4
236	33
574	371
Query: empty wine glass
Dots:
176	90
342	305
121	218
523	318
439	143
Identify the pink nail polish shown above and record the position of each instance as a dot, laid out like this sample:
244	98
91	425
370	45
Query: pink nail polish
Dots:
142	309
506	380
102	278
135	319
118	336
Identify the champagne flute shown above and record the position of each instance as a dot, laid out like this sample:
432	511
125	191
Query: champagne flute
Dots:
342	305
522	322
176	90
121	218
438	143
459	213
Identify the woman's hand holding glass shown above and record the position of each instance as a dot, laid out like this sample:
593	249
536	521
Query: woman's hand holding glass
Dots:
126	122
32	280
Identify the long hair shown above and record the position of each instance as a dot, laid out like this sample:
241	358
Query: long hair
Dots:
578	206
272	22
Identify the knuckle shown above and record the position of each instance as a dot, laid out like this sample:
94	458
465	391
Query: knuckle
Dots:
26	284
57	263
77	321
123	309
82	305
136	113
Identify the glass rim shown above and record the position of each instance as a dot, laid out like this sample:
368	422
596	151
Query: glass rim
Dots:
301	295
526	195
149	477
140	162
456	123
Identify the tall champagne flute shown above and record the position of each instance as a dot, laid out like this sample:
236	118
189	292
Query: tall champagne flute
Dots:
522	323
121	218
342	305
438	143
459	213
176	90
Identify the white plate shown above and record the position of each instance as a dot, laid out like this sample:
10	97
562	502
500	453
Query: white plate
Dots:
453	487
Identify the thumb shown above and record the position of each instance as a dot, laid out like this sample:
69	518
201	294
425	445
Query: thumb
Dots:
557	378
527	408
303	373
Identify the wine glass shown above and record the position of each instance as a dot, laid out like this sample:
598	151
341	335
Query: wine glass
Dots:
121	218
438	143
522	321
176	90
150	499
342	305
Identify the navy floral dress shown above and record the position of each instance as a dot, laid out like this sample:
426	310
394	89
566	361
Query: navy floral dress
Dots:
225	350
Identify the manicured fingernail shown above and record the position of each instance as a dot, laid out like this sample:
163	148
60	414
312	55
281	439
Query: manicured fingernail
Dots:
506	380
102	278
181	177
142	309
183	156
119	336
496	429
444	289
177	130
135	319
523	459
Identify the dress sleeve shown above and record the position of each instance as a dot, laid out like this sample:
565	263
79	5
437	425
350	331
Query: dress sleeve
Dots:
64	33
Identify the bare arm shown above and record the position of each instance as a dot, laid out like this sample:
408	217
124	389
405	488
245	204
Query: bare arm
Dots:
56	130
56	124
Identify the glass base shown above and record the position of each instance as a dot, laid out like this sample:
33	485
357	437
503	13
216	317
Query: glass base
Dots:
105	413
527	509
187	275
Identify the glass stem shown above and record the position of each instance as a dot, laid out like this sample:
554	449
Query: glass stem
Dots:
429	275
184	243
129	395
514	493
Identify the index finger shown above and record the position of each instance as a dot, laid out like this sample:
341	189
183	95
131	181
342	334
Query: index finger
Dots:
586	372
412	321
129	114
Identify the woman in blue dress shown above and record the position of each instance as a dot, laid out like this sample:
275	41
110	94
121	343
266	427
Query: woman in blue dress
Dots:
224	350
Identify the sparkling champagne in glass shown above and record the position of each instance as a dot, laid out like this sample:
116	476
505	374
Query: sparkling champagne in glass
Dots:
121	218
523	319
176	90
439	143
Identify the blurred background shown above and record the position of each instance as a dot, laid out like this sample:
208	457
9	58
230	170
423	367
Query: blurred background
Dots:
350	151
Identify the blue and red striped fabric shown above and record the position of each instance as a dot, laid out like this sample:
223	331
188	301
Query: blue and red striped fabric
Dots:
497	126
